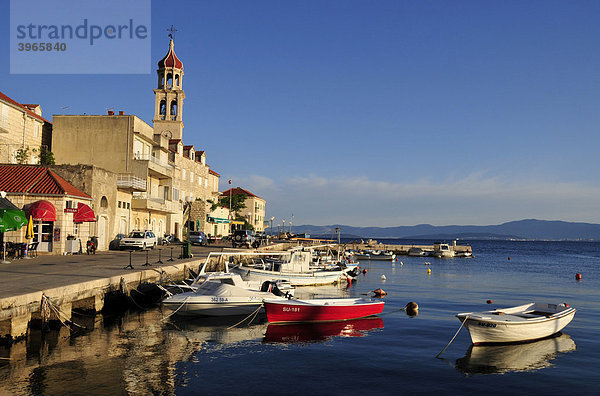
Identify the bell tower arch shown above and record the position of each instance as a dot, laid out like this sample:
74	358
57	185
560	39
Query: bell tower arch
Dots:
169	95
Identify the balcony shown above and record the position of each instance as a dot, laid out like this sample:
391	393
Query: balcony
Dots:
144	201
156	167
126	181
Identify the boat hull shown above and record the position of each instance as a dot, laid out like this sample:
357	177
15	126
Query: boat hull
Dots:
305	311
213	309
316	278
484	328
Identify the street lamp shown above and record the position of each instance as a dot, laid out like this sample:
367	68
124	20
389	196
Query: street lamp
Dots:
283	220
272	218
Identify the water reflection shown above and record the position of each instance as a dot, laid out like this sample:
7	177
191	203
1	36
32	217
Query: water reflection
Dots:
497	359
188	336
318	332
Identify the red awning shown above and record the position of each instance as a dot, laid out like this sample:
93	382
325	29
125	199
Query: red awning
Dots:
42	210
84	213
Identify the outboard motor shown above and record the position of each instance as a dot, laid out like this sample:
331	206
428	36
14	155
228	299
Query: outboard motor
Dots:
271	287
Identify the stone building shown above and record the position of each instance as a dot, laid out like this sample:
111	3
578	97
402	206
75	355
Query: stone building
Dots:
155	175
22	128
61	212
254	212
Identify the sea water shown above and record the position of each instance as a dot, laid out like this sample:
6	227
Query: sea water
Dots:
144	353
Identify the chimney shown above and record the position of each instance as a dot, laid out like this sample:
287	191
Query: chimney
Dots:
121	113
110	112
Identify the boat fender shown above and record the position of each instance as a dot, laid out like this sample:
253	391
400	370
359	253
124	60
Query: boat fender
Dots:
379	292
412	309
578	276
489	301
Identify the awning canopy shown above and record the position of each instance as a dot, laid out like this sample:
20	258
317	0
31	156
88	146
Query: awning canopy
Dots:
84	213
6	204
220	220
42	211
237	222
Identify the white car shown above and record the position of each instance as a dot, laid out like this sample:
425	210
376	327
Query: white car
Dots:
138	240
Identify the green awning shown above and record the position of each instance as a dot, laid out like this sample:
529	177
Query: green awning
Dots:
218	220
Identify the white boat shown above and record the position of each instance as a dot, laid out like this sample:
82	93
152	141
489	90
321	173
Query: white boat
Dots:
376	255
293	266
417	252
442	250
221	294
517	324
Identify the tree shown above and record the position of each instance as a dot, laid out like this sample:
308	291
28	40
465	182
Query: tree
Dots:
46	156
22	155
237	202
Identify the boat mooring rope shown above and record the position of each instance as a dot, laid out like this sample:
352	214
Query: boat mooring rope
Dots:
46	303
461	326
243	320
174	312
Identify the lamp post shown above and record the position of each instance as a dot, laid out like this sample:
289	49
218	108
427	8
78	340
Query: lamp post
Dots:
283	221
272	218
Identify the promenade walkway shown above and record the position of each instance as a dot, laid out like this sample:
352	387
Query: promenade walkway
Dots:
24	276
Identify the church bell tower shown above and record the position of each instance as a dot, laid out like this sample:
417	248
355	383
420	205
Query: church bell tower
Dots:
169	95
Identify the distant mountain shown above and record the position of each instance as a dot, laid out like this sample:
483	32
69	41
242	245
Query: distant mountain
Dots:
521	229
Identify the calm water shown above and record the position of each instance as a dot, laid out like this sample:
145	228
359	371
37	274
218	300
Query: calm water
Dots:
142	354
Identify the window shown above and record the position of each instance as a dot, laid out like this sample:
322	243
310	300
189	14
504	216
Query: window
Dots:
128	205
36	130
175	194
104	202
4	113
183	174
119	204
69	205
192	177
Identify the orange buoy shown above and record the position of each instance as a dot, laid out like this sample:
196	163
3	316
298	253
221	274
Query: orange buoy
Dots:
364	272
379	292
489	301
508	258
578	276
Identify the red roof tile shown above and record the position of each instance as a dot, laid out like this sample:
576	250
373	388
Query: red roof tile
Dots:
33	179
239	190
23	107
212	172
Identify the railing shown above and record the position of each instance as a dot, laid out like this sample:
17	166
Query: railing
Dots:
154	202
158	161
130	181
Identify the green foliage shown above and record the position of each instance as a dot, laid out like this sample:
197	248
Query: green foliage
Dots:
237	202
22	156
46	157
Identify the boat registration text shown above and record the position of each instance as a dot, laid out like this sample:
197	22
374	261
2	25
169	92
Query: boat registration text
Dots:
291	309
219	299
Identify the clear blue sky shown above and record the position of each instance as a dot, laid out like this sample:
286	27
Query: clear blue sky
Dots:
376	113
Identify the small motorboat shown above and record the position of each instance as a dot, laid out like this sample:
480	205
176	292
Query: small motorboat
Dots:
320	310
517	324
376	255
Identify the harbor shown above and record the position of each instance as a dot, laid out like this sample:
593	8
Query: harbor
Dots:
93	283
142	351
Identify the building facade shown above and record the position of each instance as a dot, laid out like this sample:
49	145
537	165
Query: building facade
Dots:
254	212
157	177
24	133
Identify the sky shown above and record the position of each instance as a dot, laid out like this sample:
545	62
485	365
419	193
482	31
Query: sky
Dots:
374	113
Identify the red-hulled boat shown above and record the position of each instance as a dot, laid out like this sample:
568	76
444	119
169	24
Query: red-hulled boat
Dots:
320	310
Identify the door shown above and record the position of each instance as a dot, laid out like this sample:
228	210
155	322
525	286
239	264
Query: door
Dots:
101	233
42	233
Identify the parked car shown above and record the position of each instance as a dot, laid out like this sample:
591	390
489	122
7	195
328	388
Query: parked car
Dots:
262	238
138	240
198	238
115	244
244	238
